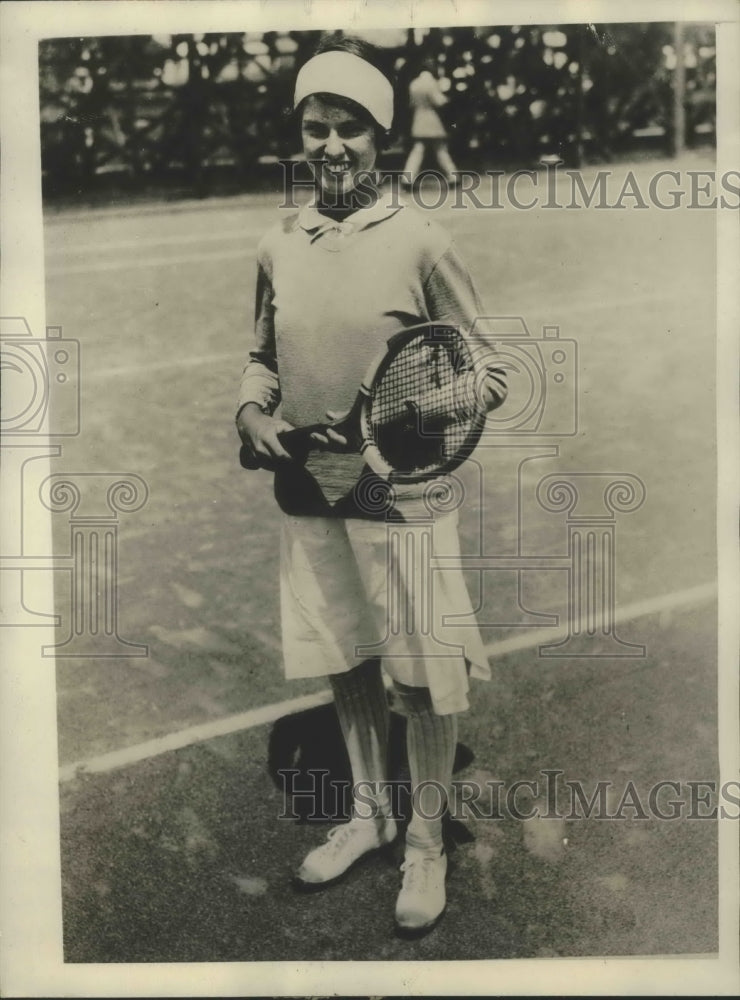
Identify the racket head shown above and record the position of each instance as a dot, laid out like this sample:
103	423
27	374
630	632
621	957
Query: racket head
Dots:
421	413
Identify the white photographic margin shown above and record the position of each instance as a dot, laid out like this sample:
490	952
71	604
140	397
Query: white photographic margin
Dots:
30	904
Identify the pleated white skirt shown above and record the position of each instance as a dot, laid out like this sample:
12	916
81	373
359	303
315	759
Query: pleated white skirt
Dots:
352	590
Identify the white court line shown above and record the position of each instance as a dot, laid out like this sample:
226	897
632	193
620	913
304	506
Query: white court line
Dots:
71	249
133	262
194	734
271	713
679	598
155	366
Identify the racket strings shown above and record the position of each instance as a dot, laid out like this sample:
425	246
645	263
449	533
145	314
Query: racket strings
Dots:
423	406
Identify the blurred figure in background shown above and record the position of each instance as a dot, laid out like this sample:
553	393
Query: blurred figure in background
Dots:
427	128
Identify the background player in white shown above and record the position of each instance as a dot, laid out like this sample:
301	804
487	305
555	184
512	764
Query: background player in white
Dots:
428	132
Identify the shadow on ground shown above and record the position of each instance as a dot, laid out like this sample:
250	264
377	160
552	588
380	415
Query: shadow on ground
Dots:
183	858
308	763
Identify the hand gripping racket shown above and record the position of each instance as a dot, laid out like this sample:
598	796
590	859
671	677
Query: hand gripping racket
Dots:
417	414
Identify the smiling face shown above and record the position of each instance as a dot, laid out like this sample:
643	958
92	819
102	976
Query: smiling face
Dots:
339	145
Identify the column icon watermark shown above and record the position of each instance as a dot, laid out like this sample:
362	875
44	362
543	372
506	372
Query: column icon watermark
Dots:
41	403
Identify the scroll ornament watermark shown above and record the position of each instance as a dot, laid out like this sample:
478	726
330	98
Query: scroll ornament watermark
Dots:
40	403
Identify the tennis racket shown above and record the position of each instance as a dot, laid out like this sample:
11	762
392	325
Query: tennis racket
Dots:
418	412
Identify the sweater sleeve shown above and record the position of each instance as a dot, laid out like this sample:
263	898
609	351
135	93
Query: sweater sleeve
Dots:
259	382
451	297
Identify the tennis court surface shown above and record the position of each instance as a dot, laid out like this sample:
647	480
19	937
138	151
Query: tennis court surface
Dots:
174	851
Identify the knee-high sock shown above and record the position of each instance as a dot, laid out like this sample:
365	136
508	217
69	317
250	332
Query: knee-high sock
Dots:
362	707
431	741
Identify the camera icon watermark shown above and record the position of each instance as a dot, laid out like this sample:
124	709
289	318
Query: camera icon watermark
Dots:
40	380
542	378
541	374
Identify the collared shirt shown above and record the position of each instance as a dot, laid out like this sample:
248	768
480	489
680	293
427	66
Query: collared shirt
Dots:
313	222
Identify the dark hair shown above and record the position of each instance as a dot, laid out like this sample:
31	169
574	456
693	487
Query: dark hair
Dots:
337	42
428	63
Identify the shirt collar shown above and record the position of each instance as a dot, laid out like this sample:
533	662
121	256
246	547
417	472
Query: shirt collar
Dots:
310	219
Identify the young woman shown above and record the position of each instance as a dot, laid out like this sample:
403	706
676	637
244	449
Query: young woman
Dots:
334	282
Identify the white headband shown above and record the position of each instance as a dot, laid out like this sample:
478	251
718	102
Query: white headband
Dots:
349	76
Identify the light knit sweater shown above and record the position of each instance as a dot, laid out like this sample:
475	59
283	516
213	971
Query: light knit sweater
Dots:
329	295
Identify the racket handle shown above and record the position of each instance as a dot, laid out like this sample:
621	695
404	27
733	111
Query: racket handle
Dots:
248	460
296	442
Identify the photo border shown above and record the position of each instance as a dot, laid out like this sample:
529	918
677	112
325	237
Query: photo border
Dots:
30	904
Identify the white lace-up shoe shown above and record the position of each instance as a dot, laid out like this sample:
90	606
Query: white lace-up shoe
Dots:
344	847
421	901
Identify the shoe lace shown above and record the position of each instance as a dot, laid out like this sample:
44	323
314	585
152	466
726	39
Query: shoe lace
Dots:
340	834
338	837
417	872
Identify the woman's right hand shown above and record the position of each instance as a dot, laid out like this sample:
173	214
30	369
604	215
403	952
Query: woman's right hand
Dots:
259	433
